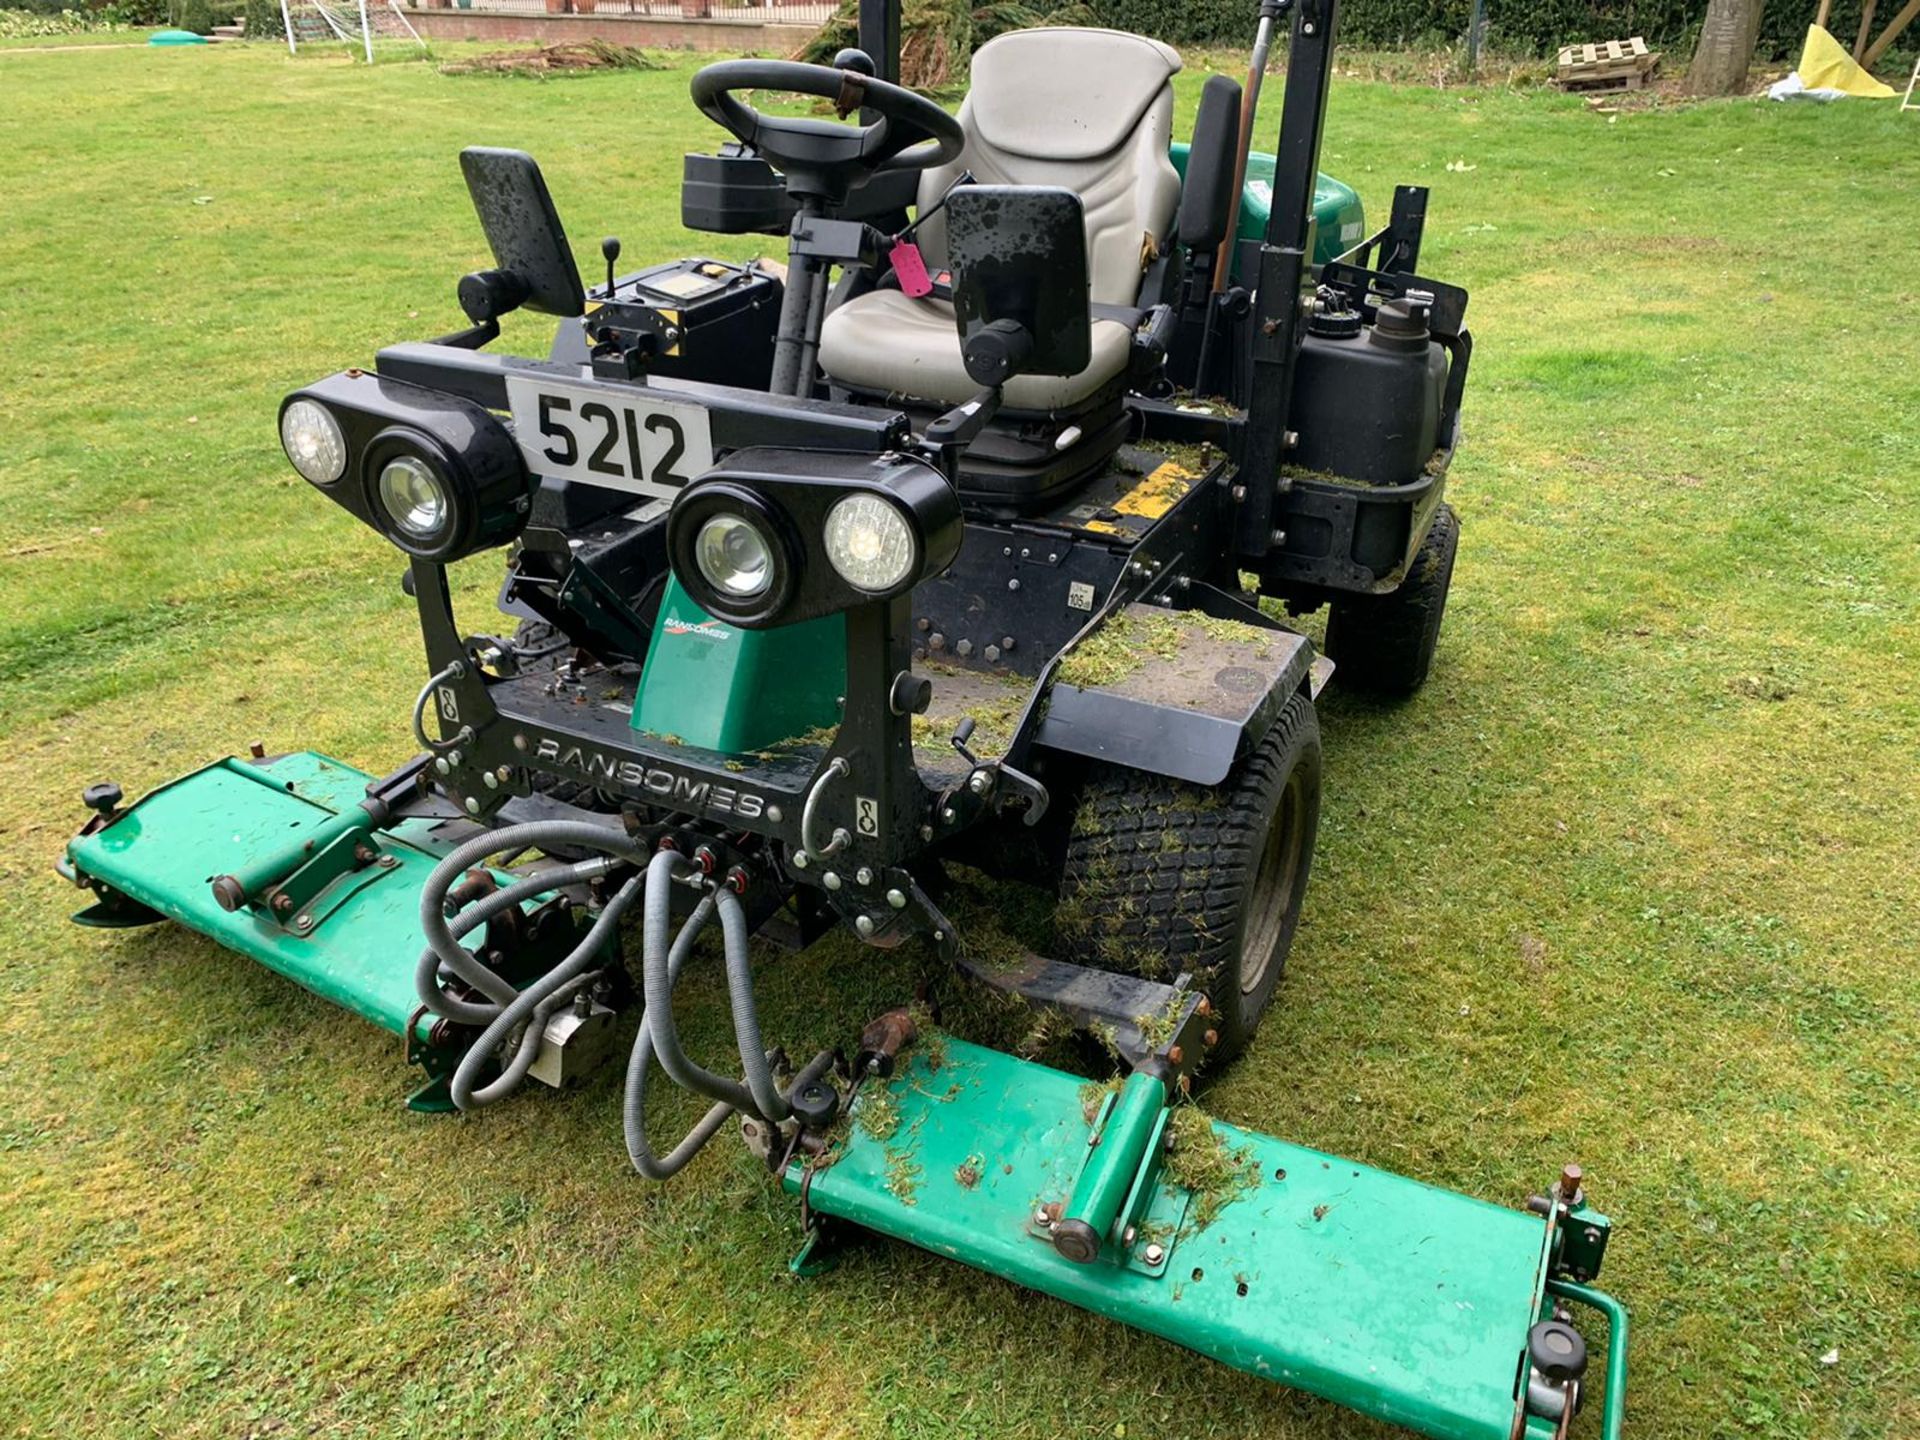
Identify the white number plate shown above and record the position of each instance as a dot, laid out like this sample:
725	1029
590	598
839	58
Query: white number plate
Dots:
601	437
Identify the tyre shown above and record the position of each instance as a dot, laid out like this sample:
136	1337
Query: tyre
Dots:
1163	878
1383	644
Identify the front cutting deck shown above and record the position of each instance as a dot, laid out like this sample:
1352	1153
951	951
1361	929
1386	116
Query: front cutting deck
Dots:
1378	1292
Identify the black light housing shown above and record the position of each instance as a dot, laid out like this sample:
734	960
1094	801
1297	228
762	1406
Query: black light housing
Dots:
463	445
789	494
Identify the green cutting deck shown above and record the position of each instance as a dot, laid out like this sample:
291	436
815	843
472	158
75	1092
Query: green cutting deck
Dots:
1395	1298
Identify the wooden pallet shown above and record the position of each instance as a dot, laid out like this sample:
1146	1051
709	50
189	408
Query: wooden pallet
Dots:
1607	65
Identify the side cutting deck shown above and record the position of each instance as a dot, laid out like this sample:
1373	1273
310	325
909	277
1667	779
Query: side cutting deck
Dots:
1397	1299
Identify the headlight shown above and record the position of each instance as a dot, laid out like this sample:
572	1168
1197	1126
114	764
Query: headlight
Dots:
415	499
313	442
734	556
871	543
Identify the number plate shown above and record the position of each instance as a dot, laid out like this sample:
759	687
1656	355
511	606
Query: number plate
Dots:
604	437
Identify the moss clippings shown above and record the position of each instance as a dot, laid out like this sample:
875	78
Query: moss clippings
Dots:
1157	1028
1119	648
903	1177
1206	1166
1095	1093
968	1172
878	1113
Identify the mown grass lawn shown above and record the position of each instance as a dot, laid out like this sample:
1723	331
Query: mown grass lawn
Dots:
1634	881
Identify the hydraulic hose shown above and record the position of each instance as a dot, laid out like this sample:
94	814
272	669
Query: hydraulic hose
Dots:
633	1111
656	968
767	1098
443	941
525	1010
473	970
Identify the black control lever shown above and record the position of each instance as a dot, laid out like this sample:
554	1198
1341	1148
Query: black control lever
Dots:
610	247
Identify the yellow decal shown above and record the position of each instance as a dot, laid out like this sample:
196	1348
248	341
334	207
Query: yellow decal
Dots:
1152	498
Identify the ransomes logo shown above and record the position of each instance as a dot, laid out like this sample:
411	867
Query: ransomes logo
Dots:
682	792
705	629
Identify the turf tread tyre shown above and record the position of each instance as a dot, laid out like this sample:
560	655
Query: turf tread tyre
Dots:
1384	644
1159	873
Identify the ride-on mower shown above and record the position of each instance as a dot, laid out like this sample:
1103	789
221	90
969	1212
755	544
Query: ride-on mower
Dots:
962	538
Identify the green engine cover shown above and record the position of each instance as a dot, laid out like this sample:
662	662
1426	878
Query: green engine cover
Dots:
714	685
1342	219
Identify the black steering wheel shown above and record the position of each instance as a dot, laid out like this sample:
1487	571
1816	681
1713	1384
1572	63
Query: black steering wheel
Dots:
821	159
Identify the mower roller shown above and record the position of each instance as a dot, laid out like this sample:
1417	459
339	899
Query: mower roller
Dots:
966	537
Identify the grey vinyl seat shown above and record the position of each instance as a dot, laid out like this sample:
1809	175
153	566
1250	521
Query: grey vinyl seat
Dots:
1084	109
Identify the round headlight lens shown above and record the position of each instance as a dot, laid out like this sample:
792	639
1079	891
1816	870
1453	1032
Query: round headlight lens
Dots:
870	543
313	442
415	498
734	556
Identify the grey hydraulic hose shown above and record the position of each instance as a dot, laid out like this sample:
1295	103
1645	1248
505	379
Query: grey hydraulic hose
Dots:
658	986
633	1112
767	1098
445	944
473	970
524	1006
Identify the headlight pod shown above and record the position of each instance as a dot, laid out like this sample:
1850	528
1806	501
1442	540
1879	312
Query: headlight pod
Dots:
870	541
840	530
313	442
437	475
733	553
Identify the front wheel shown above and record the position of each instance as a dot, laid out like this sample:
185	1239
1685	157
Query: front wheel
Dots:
1384	644
1164	878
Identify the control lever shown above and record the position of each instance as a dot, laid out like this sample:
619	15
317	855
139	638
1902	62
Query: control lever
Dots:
989	775
610	247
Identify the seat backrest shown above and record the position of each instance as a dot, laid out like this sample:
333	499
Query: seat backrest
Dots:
1088	110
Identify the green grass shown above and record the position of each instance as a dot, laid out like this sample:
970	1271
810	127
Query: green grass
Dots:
1635	880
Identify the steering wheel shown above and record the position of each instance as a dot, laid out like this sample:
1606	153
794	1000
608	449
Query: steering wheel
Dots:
822	159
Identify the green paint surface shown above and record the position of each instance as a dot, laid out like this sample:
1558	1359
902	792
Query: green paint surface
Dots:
165	849
1343	220
1401	1300
714	685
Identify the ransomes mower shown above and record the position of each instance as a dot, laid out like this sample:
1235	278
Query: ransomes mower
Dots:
964	537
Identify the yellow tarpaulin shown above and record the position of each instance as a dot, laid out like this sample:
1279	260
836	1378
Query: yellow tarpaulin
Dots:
1825	65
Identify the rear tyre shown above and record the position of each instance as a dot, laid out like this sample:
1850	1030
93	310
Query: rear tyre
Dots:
1164	878
1384	644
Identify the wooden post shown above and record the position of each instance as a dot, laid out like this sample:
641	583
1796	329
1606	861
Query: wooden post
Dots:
1866	29
1826	9
1892	33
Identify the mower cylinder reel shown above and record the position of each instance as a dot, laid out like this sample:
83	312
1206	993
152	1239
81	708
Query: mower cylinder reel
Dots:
1118	1145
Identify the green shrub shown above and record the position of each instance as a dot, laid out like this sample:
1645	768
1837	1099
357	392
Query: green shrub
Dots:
194	15
1538	26
21	24
143	13
263	20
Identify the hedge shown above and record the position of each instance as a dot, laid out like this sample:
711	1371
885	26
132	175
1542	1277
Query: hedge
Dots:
1536	26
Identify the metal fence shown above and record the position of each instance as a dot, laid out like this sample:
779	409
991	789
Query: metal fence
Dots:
812	13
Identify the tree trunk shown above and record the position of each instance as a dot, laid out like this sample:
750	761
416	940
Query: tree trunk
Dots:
1727	38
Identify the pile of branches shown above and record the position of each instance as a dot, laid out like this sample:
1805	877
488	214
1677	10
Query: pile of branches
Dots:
938	37
572	57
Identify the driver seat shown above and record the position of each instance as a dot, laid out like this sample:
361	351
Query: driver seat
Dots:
1086	110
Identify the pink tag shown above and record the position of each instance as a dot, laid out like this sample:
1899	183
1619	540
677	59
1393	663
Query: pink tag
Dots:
911	267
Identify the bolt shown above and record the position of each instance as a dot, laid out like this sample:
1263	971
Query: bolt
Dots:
1239	493
440	766
775	814
1053	558
963	649
1306	27
981	782
1175	1054
364	854
897	900
926	832
504	773
737	880
454	757
1570	1178
831	880
1006	642
864	924
863	875
303	922
490	780
1155	1254
1290	439
1014	584
473	807
936	642
1006	550
947	815
257	750
520	744
282	904
992	652
939	937
1025	553
1212	1038
923	624
1127	1236
1278	538
1041	1217
1204	1008
799	859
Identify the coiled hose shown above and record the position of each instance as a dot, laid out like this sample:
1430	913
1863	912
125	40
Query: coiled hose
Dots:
518	1017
